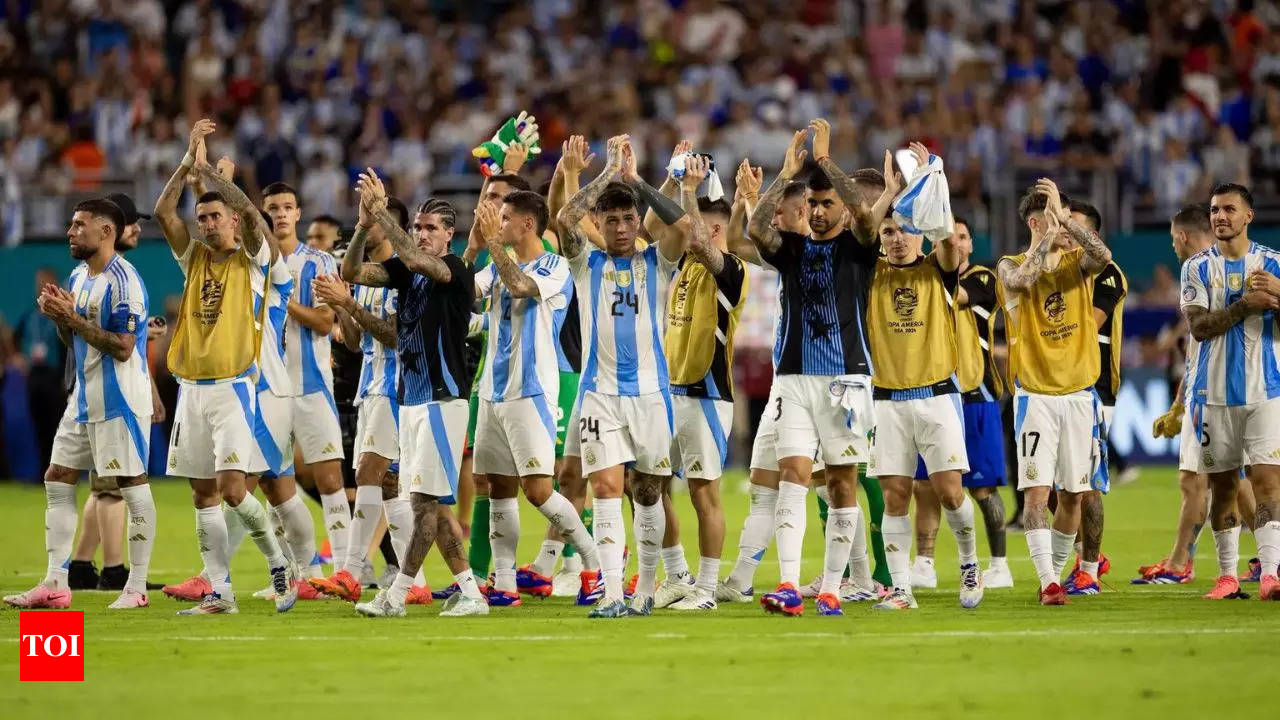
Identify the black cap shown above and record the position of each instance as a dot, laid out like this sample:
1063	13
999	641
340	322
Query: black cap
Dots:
125	203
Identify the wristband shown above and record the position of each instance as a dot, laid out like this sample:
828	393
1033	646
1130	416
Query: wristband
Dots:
189	160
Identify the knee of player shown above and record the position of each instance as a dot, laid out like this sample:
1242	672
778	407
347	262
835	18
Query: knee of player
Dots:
482	484
390	486
134	481
646	491
537	488
59	474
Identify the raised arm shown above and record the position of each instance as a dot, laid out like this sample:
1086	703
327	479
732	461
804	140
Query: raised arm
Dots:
166	209
354	268
331	290
576	158
746	195
760	228
59	305
575	210
516	282
374	195
250	217
653	226
700	246
844	185
1096	252
1018	278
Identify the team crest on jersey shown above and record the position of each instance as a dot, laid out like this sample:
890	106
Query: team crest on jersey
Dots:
1235	281
1188	293
210	301
1055	306
622	278
905	301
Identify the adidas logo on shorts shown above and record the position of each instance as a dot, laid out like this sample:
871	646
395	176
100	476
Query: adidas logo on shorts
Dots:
329	448
533	464
113	465
849	452
232	458
696	466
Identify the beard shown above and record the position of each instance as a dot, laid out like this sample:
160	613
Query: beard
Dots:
80	252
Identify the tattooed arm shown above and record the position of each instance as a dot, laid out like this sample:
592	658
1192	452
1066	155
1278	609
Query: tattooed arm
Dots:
700	246
1096	253
488	224
1017	279
374	196
760	227
1208	324
166	212
355	270
573	239
349	331
332	291
59	305
239	204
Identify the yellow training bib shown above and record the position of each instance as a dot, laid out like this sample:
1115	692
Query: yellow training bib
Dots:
1053	338
911	325
217	334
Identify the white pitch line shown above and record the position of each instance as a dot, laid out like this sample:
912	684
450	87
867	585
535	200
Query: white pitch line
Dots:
848	636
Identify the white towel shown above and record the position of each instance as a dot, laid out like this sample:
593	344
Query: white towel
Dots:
924	205
715	190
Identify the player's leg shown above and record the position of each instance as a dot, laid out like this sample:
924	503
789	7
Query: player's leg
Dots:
479	552
81	573
798	436
1037	421
757	527
939	427
1261	427
493	458
894	457
604	450
928	519
702	429
70	456
121	448
318	437
112	517
984	445
1247	503
1192	515
873	515
678	579
646	434
568	582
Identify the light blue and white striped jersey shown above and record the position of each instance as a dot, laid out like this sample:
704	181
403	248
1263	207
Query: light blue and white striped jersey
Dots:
522	358
1238	367
622	304
273	375
378	372
116	301
307	352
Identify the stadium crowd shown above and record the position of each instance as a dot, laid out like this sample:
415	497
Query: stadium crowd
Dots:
1170	94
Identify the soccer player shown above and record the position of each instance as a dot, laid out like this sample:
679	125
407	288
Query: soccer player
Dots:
624	390
106	427
708	293
369	317
918	411
822	356
434	293
316	433
1110	287
1191	235
1230	294
214	355
1047	295
981	388
527	297
102	519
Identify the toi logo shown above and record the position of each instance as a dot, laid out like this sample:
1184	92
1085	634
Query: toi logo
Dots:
51	645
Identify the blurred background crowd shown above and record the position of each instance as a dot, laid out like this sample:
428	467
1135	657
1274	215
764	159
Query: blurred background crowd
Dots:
1137	105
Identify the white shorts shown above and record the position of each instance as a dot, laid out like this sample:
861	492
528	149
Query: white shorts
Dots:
907	430
1231	437
377	428
1057	440
807	419
213	429
316	431
118	447
273	432
432	437
515	438
764	449
618	429
700	444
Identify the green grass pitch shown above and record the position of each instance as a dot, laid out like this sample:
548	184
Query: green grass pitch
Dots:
1130	652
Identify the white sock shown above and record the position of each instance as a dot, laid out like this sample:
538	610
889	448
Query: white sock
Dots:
337	523
400	587
566	520
235	531
789	518
211	533
1091	568
756	531
824	495
363	522
859	563
1061	546
998	563
300	534
467	584
399	513
254	517
1041	549
1268	537
960	521
59	531
504	537
841	524
674	563
1227	543
897	543
277	529
649	525
141	534
573	563
547	556
708	574
611	539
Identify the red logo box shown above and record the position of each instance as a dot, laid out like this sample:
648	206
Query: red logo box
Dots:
51	645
